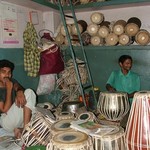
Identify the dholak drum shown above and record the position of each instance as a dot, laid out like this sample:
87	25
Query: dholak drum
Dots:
125	39
113	105
138	125
142	37
82	25
61	126
64	115
92	29
112	39
97	17
71	140
96	40
103	31
37	131
112	141
119	26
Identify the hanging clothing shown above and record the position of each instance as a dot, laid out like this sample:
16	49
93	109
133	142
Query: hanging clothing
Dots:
31	52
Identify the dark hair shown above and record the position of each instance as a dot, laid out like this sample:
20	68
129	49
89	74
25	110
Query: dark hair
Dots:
123	58
6	63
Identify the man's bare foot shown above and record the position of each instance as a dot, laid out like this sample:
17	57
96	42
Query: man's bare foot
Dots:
18	132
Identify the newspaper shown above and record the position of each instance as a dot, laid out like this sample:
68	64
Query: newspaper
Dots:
92	128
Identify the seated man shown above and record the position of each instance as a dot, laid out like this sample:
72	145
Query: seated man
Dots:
16	104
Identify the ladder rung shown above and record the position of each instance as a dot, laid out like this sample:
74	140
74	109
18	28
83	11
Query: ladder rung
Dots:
87	86
68	16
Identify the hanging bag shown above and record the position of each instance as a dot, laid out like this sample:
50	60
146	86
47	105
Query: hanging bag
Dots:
51	61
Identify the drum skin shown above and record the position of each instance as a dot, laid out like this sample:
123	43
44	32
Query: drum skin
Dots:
138	125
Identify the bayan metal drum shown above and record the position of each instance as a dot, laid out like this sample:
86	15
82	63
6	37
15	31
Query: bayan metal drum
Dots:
138	125
71	140
113	105
61	126
112	141
37	131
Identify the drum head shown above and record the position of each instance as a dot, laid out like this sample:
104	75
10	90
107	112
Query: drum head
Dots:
131	29
70	138
142	37
97	17
124	39
103	31
62	125
92	29
112	39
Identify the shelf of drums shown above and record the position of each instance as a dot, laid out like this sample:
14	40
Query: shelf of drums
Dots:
103	33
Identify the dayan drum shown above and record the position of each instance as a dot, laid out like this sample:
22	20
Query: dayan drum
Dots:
96	40
92	29
87	116
82	25
37	131
138	125
125	39
142	37
65	115
61	126
112	39
119	26
97	17
113	105
103	31
112	141
71	140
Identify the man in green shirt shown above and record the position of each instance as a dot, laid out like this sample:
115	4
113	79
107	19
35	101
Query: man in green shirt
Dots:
124	80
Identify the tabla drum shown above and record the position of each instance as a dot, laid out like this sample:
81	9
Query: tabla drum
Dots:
70	140
112	39
125	39
82	25
131	29
96	40
65	115
87	116
86	38
115	140
137	132
63	31
92	29
97	17
142	37
135	20
61	126
37	131
113	105
103	31
119	26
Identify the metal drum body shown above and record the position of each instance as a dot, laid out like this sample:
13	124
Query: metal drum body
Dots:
138	125
113	105
112	141
71	140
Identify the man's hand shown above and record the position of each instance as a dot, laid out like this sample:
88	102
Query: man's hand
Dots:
20	99
8	84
